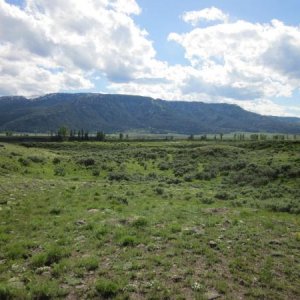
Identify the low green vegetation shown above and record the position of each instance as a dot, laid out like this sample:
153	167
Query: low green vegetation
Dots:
150	220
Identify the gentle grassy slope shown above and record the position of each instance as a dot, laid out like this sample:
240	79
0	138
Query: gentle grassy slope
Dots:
177	220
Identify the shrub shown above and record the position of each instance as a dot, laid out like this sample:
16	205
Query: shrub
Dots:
55	211
106	288
87	162
36	159
206	175
163	166
45	290
223	196
173	181
100	232
89	263
96	173
118	176
182	170
159	191
126	241
24	162
56	161
16	250
59	171
188	178
6	292
284	205
53	255
118	199
207	201
140	222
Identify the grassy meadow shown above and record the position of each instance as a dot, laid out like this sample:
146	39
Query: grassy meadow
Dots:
150	220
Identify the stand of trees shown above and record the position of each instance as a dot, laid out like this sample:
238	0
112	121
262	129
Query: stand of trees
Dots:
63	133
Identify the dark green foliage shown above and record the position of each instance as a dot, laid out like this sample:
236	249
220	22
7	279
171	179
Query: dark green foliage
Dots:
140	222
55	211
45	290
6	292
50	256
207	201
87	162
159	191
56	161
96	173
118	176
128	241
284	205
223	196
24	162
106	288
89	263
59	171
36	159
100	136
92	112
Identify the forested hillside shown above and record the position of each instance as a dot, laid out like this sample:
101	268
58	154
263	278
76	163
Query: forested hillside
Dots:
114	113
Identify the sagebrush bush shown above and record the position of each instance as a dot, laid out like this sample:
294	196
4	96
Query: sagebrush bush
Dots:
24	162
56	160
36	159
59	171
106	288
87	162
140	222
118	176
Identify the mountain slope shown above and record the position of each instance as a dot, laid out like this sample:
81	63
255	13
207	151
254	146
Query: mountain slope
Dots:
114	113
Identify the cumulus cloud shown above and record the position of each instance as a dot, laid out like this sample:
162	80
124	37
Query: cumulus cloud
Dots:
208	14
51	46
67	41
242	60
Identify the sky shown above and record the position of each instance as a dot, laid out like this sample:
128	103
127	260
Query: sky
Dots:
225	51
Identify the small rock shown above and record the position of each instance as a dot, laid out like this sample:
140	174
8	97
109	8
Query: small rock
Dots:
141	246
275	242
277	254
80	286
213	244
93	210
80	238
80	222
193	230
42	270
18	269
212	295
16	283
177	278
131	287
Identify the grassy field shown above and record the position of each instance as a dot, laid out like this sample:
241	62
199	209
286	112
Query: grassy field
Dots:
150	220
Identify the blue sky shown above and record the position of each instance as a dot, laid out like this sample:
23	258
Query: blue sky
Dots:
195	50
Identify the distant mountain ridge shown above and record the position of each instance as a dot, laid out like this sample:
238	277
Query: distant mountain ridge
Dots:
118	113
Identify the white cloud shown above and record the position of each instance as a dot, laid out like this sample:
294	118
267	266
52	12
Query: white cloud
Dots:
52	46
242	60
74	38
263	107
207	14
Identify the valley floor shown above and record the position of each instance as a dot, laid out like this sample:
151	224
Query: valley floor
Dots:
150	220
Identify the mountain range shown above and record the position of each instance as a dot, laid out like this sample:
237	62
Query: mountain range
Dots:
119	113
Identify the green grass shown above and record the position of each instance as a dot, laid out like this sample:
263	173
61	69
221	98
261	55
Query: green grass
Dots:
150	220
